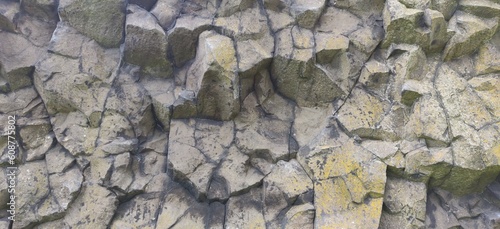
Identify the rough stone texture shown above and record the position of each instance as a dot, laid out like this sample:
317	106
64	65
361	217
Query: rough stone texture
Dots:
8	11
99	20
213	77
405	202
470	33
146	43
44	9
250	114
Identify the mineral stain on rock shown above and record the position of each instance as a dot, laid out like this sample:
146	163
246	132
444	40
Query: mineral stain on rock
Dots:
251	113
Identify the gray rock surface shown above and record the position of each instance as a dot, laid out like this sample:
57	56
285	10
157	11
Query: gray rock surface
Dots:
250	114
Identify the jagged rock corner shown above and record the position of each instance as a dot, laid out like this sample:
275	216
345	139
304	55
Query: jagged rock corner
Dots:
251	113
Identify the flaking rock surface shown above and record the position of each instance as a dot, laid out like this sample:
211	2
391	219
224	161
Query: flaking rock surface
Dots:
251	113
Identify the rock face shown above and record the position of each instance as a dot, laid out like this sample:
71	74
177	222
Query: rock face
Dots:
250	114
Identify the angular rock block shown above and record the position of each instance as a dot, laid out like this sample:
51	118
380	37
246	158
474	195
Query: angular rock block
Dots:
295	73
100	20
146	43
470	33
213	77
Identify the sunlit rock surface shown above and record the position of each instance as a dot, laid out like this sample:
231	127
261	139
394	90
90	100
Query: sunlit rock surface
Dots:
250	113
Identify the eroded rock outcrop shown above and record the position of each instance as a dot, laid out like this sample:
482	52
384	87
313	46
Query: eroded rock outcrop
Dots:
250	114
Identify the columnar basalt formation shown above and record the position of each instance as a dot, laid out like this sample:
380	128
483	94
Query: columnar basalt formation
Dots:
251	113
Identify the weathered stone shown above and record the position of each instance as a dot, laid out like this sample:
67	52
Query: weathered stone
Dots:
487	88
100	169
439	35
300	216
131	101
153	163
145	4
8	11
38	153
17	58
271	133
361	113
325	162
73	133
54	224
48	208
328	48
193	218
100	63
227	7
66	186
120	145
33	179
446	7
67	41
65	94
263	86
237	173
213	138
279	17
287	174
304	13
58	160
360	7
99	20
121	177
38	31
114	125
441	218
199	8
482	8
34	132
212	76
463	179
406	204
185	105
141	212
44	9
295	74
407	64
250	65
411	91
381	149
156	184
193	156
161	99
459	101
328	22
254	44
335	209
177	201
146	43
94	207
277	113
429	121
470	33
416	4
303	129
183	37
23	98
488	60
166	12
216	215
423	164
375	76
245	211
402	25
